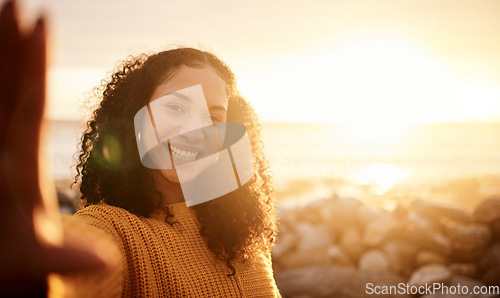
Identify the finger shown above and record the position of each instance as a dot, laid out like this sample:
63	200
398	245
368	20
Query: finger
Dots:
10	55
29	267
32	85
10	52
23	135
69	259
84	249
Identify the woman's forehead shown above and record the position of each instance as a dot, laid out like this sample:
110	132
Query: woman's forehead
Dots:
214	87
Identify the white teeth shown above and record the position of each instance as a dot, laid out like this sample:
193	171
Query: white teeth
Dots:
182	154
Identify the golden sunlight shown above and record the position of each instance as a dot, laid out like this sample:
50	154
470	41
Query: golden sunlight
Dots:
377	87
67	89
379	132
381	176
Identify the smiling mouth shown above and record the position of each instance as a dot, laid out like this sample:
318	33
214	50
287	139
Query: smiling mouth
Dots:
183	155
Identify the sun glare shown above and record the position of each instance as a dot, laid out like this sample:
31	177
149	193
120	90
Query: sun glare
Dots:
376	87
375	132
381	176
67	88
374	82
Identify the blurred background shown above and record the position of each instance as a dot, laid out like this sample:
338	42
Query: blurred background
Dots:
391	108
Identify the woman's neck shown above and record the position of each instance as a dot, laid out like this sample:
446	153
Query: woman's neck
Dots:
170	192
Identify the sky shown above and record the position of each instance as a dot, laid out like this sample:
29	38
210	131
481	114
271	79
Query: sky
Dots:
351	62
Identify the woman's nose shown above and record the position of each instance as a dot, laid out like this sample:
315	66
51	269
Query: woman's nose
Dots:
194	130
195	136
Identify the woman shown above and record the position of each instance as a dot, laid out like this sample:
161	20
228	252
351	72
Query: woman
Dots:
217	248
163	248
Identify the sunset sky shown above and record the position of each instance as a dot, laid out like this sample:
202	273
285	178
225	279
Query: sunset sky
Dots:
386	62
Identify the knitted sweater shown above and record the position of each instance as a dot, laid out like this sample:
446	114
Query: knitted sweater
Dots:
163	260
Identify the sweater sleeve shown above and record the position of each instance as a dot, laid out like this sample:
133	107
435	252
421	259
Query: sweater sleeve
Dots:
107	282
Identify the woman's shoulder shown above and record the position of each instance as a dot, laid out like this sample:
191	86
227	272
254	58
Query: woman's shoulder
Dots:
103	210
109	218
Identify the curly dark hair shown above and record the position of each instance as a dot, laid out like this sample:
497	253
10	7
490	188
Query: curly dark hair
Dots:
109	169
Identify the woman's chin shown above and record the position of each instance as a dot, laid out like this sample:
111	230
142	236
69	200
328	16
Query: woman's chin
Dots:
170	176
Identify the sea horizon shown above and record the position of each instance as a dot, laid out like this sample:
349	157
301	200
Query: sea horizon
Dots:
311	153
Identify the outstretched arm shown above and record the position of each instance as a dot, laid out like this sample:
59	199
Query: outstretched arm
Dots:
32	243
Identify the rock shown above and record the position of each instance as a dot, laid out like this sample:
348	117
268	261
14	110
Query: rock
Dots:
468	240
312	236
420	222
300	259
367	284
365	215
310	214
377	231
463	269
374	261
429	240
458	286
466	283
350	241
401	255
492	276
495	230
286	242
490	258
429	274
338	257
287	217
438	242
426	257
313	281
400	212
488	210
437	210
339	214
329	281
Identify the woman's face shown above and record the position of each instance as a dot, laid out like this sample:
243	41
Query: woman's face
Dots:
187	111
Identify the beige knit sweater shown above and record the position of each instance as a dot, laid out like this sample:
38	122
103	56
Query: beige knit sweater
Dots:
163	260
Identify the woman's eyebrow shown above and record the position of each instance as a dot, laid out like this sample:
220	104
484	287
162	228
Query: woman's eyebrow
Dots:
218	108
181	96
189	99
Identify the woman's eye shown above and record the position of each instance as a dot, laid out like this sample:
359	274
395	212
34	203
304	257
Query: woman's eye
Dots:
175	107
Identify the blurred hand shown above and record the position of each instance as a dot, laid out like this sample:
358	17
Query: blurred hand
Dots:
31	240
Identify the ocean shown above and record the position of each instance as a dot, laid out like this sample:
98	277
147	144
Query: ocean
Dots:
424	152
311	155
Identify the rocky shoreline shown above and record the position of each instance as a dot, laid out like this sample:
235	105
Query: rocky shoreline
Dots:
339	247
